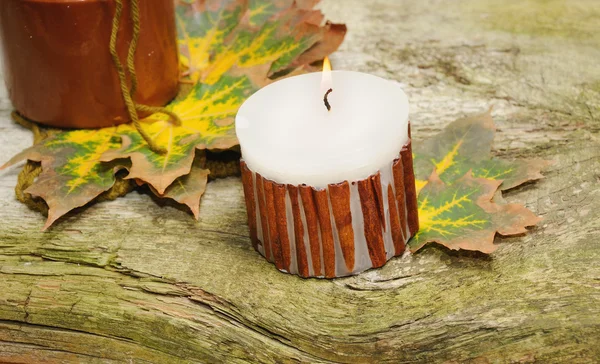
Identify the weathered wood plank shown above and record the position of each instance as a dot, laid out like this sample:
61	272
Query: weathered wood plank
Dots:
129	279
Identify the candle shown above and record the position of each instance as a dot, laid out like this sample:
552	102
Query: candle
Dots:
57	64
327	172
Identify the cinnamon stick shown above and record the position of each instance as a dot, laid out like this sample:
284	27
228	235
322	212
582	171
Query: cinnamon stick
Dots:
376	182
298	233
340	204
272	219
312	225
373	231
398	173
248	183
397	237
282	229
324	216
411	192
263	217
315	213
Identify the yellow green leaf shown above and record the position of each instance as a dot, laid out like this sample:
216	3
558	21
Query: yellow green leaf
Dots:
72	174
464	216
456	180
465	145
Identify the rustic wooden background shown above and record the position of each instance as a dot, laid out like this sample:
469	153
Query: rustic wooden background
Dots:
132	280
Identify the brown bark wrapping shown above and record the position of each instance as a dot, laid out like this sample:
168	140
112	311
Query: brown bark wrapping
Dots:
324	215
279	192
312	224
298	232
315	213
263	216
376	181
340	204
372	223
272	222
410	189
248	183
398	173
396	228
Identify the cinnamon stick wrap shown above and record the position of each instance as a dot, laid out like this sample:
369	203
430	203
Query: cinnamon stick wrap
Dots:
341	230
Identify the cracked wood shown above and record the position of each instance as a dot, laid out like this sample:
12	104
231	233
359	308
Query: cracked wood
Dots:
132	280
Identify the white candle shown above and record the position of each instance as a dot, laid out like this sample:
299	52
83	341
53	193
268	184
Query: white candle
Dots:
329	193
287	134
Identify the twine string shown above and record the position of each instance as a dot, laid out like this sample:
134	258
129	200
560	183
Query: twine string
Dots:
128	93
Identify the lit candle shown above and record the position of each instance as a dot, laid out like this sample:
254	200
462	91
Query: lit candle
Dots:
327	172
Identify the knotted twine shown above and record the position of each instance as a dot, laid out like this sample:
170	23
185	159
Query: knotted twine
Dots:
128	93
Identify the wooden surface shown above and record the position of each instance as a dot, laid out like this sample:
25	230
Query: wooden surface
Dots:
135	281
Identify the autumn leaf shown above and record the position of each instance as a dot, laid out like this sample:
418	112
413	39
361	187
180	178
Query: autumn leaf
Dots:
72	174
187	190
228	49
464	216
465	145
219	35
207	115
460	204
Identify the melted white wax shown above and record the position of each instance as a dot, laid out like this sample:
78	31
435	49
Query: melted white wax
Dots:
287	135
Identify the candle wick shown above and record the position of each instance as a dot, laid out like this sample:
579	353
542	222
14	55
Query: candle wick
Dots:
326	101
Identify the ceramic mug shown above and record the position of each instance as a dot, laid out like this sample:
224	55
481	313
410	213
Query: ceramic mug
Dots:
57	64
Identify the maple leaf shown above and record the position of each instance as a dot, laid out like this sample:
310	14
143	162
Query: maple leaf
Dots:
207	114
456	180
464	216
465	145
187	190
218	35
72	174
229	48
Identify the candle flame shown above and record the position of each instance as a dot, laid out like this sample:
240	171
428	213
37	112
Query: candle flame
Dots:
326	81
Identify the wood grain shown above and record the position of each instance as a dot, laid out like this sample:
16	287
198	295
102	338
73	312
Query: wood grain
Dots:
133	281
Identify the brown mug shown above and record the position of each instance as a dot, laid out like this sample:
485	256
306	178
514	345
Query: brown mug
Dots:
57	63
